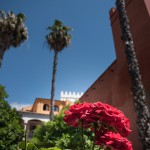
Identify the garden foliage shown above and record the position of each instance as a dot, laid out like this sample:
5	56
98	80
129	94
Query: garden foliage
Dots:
85	126
11	131
58	133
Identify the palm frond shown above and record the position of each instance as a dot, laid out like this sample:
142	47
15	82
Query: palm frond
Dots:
12	30
59	37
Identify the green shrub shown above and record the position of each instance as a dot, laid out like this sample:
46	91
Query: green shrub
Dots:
11	131
52	148
58	134
30	145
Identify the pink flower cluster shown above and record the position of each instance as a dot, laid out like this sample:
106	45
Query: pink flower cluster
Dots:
111	124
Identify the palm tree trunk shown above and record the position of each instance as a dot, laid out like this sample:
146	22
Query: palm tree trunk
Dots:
143	115
52	100
1	56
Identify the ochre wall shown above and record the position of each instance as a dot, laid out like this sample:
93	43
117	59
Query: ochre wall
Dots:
114	85
39	103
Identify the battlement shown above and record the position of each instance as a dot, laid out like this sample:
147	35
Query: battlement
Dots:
72	96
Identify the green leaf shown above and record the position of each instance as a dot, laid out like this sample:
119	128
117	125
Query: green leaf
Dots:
58	23
21	15
66	28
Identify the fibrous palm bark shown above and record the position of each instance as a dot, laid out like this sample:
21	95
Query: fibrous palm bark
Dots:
53	85
143	115
57	40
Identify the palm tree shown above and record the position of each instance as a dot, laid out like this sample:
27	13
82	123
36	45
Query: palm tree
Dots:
57	40
12	31
143	115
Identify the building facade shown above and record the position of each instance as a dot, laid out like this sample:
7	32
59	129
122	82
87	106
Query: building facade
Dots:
114	85
40	110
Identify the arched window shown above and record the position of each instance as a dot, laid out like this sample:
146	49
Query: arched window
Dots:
46	107
56	108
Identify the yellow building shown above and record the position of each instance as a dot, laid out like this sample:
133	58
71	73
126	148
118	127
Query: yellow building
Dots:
39	112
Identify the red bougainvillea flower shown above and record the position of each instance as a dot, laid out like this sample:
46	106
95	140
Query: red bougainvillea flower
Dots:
111	116
114	140
76	113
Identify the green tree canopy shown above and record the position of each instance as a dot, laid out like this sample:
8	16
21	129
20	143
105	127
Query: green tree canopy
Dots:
11	131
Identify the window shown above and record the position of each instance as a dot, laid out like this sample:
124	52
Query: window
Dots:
46	107
56	108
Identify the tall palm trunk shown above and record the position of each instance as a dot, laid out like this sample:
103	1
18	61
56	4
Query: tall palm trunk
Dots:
4	45
143	115
52	100
1	56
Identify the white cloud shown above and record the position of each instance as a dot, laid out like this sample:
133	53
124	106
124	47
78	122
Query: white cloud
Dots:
18	106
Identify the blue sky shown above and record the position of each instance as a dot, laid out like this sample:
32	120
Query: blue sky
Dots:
26	70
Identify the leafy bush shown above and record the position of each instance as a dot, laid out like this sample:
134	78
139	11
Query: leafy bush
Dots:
11	131
52	148
30	145
58	134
